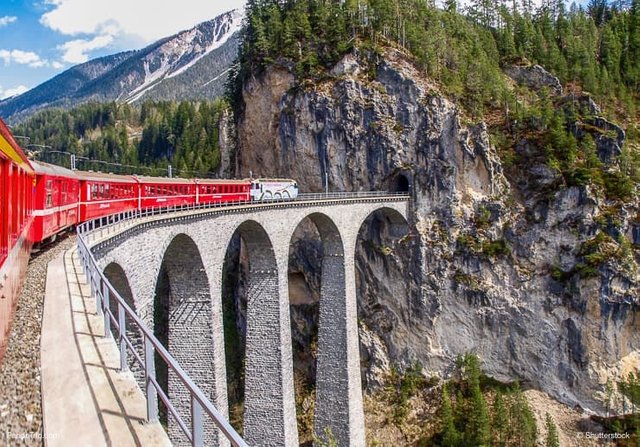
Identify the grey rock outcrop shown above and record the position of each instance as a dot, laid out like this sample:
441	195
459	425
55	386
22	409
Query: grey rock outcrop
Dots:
535	77
483	269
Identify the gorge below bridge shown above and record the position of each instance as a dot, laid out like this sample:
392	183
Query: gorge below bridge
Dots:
169	269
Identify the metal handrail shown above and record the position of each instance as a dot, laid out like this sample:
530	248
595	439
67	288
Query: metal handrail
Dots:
200	404
104	291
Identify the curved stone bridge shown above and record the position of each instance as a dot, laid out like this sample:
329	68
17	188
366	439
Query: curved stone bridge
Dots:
170	270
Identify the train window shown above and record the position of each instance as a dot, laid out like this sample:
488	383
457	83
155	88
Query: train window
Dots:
94	191
48	187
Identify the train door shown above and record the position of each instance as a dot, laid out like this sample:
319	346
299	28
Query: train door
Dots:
62	204
4	215
9	206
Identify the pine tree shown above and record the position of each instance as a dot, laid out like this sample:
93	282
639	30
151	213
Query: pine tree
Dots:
450	435
552	433
478	428
522	419
500	421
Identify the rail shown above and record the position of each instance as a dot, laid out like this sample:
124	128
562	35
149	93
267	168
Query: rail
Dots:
104	292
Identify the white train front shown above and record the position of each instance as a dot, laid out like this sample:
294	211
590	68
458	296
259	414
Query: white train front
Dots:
273	189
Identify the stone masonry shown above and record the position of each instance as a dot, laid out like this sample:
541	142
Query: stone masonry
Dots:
190	249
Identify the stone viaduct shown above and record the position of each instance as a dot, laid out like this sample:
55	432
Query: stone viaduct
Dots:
174	264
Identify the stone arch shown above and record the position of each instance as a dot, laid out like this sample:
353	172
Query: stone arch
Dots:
382	258
269	417
331	383
117	277
333	410
182	321
385	219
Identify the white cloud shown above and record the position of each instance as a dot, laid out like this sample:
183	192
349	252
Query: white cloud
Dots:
76	51
57	65
22	57
5	20
149	20
12	91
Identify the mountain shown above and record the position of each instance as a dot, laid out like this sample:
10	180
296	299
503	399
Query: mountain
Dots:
192	64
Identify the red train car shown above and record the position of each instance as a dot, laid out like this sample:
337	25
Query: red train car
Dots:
210	191
165	192
56	201
17	180
104	194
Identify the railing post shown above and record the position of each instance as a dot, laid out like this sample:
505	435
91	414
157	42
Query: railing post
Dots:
196	423
95	291
122	326
105	309
150	373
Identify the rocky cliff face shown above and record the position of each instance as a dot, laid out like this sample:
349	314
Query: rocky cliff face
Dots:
488	265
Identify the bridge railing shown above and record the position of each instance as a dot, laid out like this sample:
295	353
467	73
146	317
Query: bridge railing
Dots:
105	294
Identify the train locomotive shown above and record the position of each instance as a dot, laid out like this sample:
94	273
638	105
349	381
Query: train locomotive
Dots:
38	201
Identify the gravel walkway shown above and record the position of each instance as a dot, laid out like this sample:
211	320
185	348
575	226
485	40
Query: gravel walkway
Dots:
20	404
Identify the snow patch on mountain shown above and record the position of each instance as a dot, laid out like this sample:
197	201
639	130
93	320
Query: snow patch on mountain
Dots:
227	28
185	49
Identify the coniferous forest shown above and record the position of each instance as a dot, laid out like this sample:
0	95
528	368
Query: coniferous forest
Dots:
596	48
141	139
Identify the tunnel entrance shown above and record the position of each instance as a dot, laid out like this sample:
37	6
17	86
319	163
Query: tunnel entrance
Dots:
400	183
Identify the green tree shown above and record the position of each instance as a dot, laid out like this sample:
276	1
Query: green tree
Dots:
552	433
500	421
450	435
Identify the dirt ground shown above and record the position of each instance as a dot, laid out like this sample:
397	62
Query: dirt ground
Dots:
575	429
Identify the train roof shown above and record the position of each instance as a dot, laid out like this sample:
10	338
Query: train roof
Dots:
49	169
102	177
221	181
175	180
11	149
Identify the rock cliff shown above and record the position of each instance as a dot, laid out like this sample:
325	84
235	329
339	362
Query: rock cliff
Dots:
489	266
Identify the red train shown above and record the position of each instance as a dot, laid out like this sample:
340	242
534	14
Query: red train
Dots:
17	185
38	201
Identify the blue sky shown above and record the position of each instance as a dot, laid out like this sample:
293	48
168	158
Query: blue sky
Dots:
41	38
